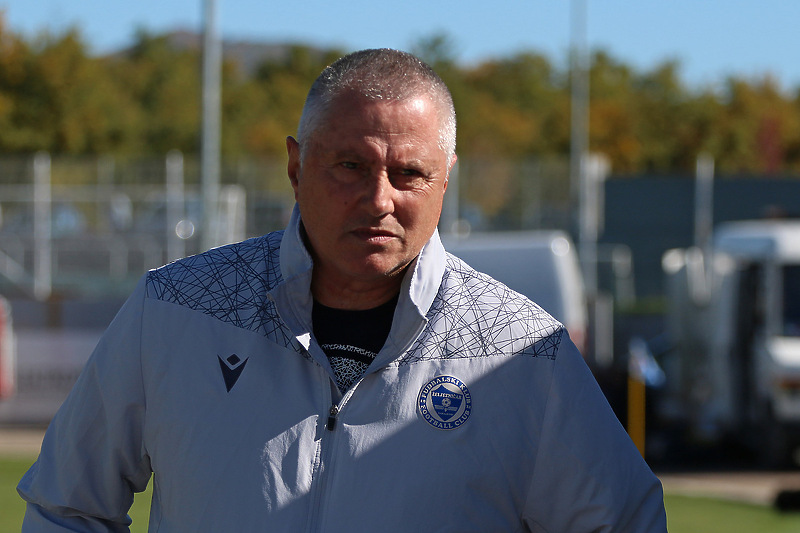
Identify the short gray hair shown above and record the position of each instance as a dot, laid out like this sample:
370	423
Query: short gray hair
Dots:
379	74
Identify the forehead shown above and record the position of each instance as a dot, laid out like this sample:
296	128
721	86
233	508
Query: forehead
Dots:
353	118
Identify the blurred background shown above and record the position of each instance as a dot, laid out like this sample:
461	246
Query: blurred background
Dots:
136	133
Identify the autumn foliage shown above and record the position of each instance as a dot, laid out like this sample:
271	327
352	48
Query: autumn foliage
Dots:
145	100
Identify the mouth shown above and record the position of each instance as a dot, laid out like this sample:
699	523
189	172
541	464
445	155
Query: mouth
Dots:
374	235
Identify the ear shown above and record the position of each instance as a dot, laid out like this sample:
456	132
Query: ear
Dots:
293	167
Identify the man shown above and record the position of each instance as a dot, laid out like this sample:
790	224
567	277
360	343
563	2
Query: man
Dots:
346	374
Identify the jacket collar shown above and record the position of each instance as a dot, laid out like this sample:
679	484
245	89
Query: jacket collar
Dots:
419	287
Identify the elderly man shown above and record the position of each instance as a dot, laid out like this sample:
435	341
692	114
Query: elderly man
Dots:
346	374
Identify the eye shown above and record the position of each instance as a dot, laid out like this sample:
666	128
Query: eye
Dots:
409	178
349	165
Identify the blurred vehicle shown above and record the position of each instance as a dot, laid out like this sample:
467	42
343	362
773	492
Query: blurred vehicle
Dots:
542	265
66	220
734	323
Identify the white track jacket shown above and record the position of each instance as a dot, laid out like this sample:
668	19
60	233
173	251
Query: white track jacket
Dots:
478	415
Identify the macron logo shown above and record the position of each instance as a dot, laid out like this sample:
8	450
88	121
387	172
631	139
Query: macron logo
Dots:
232	367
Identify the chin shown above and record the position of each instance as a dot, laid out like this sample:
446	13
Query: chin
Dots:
382	269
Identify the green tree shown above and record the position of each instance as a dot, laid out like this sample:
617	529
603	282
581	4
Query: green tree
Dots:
84	110
515	108
612	116
164	84
673	126
18	128
757	128
274	98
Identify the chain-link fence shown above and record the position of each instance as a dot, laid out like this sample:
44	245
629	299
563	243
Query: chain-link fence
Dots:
80	226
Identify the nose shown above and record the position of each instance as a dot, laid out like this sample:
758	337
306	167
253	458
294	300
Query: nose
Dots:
378	197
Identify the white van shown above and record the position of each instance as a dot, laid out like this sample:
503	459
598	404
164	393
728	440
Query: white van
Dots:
542	265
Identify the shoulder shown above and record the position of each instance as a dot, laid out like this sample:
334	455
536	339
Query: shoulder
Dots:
462	281
250	266
477	315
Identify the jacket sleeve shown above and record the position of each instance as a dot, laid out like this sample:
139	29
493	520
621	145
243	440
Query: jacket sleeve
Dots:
93	458
588	475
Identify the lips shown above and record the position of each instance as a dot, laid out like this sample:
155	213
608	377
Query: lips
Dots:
374	235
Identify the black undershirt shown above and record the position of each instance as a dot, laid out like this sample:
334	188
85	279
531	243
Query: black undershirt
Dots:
351	339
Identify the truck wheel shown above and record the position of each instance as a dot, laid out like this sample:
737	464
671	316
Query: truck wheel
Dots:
773	445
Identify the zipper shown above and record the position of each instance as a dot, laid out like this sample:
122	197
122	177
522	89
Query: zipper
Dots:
333	413
319	482
326	442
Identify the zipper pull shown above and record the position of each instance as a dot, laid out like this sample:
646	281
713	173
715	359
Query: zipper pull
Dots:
332	414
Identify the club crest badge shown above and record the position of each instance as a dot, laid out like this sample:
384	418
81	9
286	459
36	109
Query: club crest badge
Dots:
445	402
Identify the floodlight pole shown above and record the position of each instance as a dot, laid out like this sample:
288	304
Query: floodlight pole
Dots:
581	184
210	136
579	119
587	174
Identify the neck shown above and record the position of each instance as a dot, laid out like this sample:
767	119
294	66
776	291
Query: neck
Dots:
354	295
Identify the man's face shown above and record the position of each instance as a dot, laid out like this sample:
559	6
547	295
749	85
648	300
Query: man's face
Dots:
370	187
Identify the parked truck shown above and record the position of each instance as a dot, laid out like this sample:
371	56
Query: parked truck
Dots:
734	324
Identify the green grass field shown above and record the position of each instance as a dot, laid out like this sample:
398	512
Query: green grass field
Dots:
684	514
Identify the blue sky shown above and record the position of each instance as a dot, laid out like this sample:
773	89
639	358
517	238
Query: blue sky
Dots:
711	39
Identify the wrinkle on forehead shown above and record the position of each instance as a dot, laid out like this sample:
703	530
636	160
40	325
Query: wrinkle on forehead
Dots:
406	108
380	118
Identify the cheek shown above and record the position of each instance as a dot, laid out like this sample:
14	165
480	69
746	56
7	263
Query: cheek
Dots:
421	214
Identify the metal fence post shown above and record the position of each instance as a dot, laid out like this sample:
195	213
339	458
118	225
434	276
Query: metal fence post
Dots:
176	206
42	233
